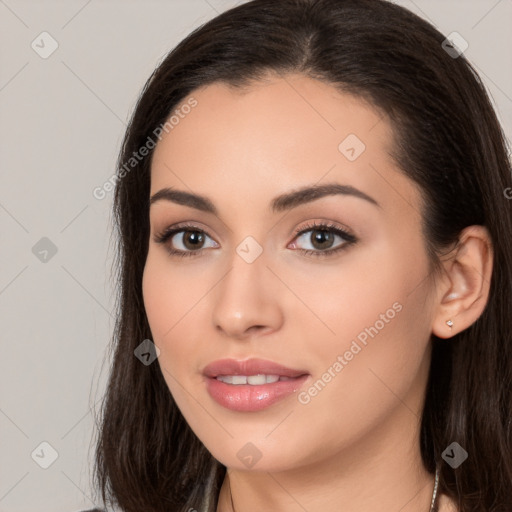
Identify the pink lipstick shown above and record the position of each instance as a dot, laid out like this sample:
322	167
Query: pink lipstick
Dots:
251	385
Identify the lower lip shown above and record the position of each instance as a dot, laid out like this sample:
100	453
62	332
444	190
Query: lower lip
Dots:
248	398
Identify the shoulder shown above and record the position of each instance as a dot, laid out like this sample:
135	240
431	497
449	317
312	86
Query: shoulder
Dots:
92	510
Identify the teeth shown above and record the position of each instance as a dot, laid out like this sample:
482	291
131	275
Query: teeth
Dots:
254	380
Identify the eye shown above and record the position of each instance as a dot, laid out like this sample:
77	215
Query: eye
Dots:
185	240
190	240
322	239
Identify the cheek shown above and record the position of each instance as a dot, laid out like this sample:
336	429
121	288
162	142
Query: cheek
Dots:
341	300
172	299
169	294
373	312
167	301
175	300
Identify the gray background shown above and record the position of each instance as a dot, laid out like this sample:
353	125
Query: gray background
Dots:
62	121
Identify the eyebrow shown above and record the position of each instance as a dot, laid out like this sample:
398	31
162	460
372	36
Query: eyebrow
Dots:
279	204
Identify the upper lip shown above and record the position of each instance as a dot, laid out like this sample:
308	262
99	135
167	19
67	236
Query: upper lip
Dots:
249	367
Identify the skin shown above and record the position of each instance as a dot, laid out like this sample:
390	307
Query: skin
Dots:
355	445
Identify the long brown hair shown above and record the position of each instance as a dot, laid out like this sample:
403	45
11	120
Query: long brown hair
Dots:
447	140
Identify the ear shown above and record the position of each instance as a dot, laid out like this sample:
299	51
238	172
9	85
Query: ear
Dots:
464	289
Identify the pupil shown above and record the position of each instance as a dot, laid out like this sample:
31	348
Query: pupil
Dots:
194	238
321	238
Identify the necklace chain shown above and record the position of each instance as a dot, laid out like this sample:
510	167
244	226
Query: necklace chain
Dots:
434	494
432	503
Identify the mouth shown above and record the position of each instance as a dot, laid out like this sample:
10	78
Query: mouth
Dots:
251	385
253	380
250	368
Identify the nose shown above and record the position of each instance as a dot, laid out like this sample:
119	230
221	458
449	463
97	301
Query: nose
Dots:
247	300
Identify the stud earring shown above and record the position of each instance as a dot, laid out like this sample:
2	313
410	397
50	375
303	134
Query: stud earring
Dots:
449	323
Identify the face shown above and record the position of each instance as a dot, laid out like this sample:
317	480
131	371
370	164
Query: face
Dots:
330	285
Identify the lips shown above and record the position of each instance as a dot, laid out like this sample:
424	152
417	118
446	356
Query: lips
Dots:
250	367
251	385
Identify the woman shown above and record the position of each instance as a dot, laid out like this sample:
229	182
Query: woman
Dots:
315	255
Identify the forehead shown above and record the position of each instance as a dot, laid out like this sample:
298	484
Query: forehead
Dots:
275	135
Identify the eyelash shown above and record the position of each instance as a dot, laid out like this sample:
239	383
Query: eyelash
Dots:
349	239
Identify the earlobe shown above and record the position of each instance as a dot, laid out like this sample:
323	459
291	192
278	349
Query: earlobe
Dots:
464	291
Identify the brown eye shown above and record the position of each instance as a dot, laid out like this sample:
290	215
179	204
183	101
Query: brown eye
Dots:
192	240
185	240
321	239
